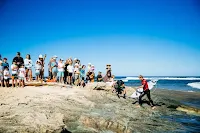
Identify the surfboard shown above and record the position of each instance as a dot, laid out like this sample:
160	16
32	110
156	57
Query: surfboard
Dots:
139	91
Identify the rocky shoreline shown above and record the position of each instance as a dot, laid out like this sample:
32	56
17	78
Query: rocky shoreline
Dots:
56	108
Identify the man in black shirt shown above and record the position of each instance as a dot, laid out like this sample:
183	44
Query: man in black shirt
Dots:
99	77
18	59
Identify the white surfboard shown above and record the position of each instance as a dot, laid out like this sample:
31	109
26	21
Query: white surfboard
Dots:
139	91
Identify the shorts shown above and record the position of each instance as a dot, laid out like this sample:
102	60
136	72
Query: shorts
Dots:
70	74
21	78
14	76
6	80
60	74
54	74
37	73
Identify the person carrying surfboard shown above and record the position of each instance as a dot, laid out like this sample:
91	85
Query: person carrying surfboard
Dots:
146	91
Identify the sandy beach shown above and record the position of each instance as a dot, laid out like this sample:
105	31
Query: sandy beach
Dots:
58	108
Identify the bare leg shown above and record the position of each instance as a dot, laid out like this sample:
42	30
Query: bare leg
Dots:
13	82
30	75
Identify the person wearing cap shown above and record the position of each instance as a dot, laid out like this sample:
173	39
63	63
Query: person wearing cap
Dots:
146	91
19	59
61	66
99	77
28	67
1	73
5	63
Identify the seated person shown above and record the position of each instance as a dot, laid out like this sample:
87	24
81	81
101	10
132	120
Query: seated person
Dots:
99	77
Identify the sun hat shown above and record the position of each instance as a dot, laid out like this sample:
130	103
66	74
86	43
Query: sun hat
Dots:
40	56
55	56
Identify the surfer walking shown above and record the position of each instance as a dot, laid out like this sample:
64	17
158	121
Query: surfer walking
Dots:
146	91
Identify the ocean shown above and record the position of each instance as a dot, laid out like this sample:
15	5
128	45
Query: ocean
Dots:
191	123
189	84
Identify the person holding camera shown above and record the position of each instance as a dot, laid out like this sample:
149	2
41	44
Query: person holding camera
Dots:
28	63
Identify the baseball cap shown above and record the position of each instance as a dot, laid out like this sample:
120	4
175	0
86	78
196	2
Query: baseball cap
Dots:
40	56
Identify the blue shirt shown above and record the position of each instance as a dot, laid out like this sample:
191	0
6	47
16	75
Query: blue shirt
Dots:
82	72
54	69
5	65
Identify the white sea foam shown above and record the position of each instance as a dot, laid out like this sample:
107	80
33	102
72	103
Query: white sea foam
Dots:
194	85
125	80
164	78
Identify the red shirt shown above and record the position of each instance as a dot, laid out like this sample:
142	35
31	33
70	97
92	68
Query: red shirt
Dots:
144	82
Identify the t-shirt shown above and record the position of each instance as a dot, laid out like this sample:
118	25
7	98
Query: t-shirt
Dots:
1	70
70	68
144	82
5	64
19	60
14	69
22	72
82	72
54	66
38	68
99	76
28	63
6	74
61	67
76	70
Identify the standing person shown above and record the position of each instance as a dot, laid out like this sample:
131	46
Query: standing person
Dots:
66	72
42	59
22	75
146	91
1	73
61	66
5	63
19	59
82	73
99	77
0	58
28	67
50	70
38	68
76	74
54	69
6	76
14	72
70	70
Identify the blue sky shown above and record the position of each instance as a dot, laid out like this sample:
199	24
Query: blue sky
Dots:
149	37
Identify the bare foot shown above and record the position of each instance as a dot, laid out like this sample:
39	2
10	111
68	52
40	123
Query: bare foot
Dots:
138	106
153	107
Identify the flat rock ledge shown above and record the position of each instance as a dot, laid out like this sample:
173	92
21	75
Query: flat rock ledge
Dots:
59	108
